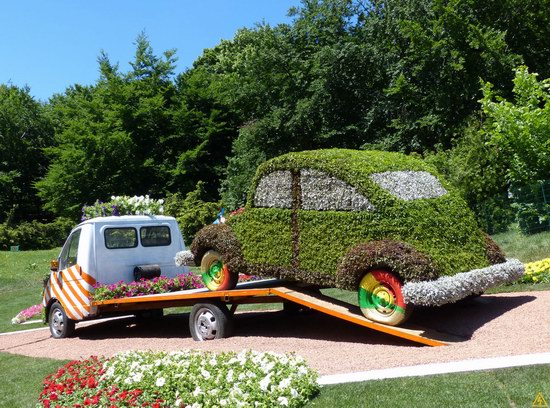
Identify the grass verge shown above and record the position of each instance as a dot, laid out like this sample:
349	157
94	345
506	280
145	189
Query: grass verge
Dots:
21	276
22	379
508	387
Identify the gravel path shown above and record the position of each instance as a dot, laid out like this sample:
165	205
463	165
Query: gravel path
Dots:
490	326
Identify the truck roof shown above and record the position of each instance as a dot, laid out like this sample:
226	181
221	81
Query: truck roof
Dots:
127	219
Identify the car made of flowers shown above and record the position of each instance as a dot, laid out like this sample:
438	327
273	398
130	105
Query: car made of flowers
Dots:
383	224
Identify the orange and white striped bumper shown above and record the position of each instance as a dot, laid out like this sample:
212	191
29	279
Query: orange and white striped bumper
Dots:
73	288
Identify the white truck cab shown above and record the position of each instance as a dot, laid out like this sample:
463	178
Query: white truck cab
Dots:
106	250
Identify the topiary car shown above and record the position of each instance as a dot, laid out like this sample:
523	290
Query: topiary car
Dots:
382	223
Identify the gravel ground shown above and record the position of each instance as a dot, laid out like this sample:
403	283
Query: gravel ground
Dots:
489	326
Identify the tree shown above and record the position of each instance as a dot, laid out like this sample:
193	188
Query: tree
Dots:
24	132
520	129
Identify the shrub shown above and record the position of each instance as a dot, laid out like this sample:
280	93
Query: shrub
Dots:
191	212
35	235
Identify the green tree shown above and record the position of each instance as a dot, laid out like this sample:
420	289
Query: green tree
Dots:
24	132
520	128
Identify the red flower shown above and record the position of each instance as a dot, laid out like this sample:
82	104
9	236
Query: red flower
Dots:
92	383
53	396
87	401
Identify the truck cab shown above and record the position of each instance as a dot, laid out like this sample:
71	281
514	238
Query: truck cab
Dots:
106	250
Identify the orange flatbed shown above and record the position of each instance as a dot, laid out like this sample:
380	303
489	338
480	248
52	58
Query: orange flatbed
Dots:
249	293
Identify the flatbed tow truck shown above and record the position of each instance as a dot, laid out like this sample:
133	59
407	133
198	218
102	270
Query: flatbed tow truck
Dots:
210	318
110	249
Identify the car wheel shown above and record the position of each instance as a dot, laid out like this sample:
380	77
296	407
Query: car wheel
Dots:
381	299
60	324
209	321
216	275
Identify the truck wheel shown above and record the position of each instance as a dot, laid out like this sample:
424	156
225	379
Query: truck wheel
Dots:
381	299
60	325
209	321
216	275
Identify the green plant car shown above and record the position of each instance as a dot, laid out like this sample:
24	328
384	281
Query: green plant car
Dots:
384	224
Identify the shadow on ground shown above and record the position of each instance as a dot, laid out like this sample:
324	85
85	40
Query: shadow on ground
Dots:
462	320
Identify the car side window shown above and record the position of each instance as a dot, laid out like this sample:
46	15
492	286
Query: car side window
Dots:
409	185
69	254
274	190
155	236
321	191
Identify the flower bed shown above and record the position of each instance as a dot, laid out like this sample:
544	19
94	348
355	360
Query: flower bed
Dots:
153	286
27	313
182	379
143	287
537	272
123	205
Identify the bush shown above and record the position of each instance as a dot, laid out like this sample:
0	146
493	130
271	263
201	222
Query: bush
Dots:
191	212
35	235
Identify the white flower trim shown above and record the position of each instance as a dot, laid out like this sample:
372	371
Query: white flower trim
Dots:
184	258
409	185
322	192
449	289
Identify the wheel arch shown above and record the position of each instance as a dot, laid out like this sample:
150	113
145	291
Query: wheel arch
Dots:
48	307
220	238
397	257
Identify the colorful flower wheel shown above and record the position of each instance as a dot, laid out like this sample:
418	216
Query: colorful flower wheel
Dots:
381	300
216	275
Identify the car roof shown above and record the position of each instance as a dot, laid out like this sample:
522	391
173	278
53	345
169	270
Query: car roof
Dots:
352	166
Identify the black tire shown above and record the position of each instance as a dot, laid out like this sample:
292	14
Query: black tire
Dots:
60	324
210	321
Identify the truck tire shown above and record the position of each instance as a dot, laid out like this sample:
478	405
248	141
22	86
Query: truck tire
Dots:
210	321
60	324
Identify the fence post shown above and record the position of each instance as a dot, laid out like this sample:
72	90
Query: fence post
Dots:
544	198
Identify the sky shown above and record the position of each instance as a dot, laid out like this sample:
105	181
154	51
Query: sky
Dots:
50	45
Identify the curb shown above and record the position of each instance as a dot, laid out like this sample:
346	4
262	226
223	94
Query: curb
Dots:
438	368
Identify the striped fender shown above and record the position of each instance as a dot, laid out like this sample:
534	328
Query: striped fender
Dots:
73	288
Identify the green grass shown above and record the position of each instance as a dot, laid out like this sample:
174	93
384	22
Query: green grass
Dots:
526	248
509	387
21	276
22	377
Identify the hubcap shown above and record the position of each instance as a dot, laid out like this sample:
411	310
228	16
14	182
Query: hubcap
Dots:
57	322
216	272
383	299
206	325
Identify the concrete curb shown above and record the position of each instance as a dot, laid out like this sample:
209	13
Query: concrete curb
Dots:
438	368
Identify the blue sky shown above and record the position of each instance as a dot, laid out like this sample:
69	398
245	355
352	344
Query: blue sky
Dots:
49	45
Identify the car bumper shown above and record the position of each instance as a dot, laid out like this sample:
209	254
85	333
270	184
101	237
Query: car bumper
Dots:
449	289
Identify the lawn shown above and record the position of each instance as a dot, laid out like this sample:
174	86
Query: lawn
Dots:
21	276
526	248
22	378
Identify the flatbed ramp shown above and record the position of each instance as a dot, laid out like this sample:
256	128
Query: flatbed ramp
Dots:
311	299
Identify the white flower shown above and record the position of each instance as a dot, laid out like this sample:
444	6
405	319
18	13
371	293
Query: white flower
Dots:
284	383
205	374
264	383
223	402
283	401
197	391
229	376
294	393
160	381
137	377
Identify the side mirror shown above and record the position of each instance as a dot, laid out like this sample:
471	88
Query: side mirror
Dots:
54	265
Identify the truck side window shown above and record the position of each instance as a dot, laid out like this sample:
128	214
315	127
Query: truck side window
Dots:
69	254
155	236
118	238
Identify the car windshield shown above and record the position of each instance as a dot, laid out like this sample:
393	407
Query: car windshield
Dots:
409	185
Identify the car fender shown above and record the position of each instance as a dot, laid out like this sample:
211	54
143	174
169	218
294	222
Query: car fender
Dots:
398	257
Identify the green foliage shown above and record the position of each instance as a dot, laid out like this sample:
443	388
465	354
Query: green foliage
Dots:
35	235
520	129
191	212
442	229
24	131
